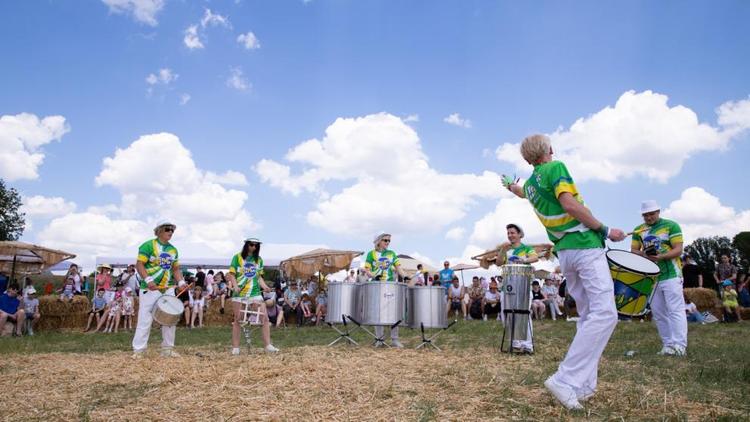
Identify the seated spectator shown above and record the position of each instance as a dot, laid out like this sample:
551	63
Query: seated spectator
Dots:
476	294
537	301
221	284
419	277
744	293
97	309
484	283
128	308
292	299
550	291
113	316
321	306
67	291
312	287
351	277
197	305
182	292
104	281
11	309
3	281
362	276
306	305
455	296
491	302
128	278
568	301
729	300
692	311
273	309
31	310
76	277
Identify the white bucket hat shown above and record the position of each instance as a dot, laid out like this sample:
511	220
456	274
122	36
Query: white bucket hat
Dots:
649	206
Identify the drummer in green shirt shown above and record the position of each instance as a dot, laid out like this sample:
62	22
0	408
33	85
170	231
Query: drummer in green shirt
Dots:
519	253
382	264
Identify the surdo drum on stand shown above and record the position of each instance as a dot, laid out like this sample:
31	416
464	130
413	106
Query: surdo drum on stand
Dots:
342	306
427	308
517	280
381	303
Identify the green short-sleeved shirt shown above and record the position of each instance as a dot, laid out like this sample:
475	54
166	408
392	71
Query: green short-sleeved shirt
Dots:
158	259
544	187
382	264
662	236
247	272
521	252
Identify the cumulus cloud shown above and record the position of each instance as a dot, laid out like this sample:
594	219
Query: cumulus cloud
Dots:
194	34
164	76
388	181
411	118
455	119
184	98
455	233
237	79
214	19
192	39
249	41
640	136
700	214
21	140
43	206
228	178
143	11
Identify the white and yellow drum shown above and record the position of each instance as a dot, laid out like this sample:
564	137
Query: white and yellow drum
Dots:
635	278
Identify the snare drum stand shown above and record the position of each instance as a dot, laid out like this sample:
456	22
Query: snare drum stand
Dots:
379	341
428	341
346	334
512	321
250	321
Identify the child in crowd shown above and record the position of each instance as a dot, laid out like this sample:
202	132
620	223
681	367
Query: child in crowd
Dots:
221	293
31	309
183	293
537	301
113	316
67	290
306	305
692	312
550	290
128	309
729	300
97	309
197	307
322	305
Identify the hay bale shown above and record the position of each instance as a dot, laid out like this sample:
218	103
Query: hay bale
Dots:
57	314
704	299
7	329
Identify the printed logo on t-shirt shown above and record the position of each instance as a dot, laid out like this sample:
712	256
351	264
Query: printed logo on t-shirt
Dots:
250	269
165	260
384	263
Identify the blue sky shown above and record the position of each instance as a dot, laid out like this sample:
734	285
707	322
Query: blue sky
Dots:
510	68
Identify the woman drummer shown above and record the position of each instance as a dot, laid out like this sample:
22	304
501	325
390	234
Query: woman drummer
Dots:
380	265
245	278
519	253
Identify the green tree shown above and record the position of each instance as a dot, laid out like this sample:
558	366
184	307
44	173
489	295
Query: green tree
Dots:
12	221
741	242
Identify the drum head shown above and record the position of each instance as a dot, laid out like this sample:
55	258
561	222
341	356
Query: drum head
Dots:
632	262
170	305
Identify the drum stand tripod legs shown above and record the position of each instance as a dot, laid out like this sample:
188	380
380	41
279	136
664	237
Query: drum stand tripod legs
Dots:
510	320
346	334
379	340
428	341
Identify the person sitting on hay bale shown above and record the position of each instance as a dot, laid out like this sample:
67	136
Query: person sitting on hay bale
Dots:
455	296
113	315
306	306
692	313
67	291
31	310
11	309
97	310
729	300
128	308
491	302
321	306
475	295
197	305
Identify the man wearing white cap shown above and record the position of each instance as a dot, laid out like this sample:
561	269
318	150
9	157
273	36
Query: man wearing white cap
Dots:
660	240
380	265
159	270
579	242
520	253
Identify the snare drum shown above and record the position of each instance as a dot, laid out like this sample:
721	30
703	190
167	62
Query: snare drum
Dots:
382	302
168	310
635	278
342	301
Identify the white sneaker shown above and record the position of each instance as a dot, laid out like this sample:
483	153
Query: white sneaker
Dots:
666	351
679	351
469	317
235	351
573	319
169	353
564	394
271	349
584	394
397	344
484	318
137	355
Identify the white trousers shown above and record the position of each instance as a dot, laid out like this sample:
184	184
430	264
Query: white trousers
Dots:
380	329
146	302
590	283
668	307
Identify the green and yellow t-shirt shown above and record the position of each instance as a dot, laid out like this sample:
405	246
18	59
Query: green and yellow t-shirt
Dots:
521	252
661	236
544	187
382	264
247	272
158	258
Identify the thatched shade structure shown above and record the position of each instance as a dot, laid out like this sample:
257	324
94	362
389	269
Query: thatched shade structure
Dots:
317	261
27	258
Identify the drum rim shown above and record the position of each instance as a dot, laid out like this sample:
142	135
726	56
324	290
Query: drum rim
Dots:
612	261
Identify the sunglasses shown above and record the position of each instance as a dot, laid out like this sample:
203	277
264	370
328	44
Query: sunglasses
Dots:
169	229
387	240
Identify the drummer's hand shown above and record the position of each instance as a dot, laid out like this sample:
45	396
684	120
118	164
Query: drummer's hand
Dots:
654	258
616	235
152	286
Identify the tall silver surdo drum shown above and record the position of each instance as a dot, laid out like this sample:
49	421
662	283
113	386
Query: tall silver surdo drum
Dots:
517	280
426	305
342	300
382	302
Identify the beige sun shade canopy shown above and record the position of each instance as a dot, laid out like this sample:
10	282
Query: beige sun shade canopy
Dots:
27	258
323	261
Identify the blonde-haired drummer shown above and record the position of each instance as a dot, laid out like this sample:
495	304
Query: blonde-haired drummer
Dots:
245	277
579	242
519	253
159	271
382	264
660	240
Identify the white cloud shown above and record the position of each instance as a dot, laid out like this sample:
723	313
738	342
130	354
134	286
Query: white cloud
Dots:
701	214
249	41
237	79
640	136
43	206
391	184
411	118
490	231
212	19
184	98
455	233
143	11
456	120
192	39
229	178
21	140
164	76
